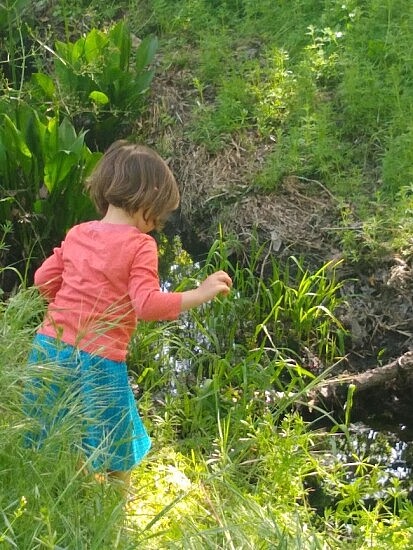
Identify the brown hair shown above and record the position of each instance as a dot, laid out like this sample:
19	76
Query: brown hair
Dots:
131	177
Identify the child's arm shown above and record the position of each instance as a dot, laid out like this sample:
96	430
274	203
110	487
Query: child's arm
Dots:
151	304
48	277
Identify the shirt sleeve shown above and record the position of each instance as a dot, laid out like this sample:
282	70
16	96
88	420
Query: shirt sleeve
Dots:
48	277
149	302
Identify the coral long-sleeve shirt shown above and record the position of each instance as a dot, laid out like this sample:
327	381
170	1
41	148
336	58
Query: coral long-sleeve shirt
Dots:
99	283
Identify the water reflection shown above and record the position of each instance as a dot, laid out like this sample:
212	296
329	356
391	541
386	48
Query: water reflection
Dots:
362	451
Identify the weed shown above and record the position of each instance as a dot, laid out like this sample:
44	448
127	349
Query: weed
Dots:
233	464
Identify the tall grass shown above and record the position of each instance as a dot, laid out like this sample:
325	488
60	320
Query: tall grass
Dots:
234	464
230	402
45	502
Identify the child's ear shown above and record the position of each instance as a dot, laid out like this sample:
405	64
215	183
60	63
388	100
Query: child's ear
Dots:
145	215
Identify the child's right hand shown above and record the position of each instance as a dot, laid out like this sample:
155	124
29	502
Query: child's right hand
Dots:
217	283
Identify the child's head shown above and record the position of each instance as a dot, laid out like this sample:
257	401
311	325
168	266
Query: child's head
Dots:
133	177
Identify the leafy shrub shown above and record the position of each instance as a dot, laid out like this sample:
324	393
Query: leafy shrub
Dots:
101	80
51	123
42	166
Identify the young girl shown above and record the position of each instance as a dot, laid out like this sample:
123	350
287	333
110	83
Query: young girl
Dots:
99	283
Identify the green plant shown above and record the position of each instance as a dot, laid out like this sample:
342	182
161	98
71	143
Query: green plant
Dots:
274	87
13	34
397	163
43	164
100	79
273	334
233	464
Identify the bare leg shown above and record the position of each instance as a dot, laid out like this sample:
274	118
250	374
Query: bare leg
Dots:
123	478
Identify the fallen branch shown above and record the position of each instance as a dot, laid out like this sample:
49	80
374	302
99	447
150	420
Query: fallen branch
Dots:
397	369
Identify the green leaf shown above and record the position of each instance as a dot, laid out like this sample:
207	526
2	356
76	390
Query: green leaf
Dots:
143	81
78	52
3	155
145	53
28	122
41	133
63	65
16	137
64	51
120	37
99	97
16	144
51	141
94	45
65	152
69	141
45	82
38	206
67	134
90	160
78	145
57	168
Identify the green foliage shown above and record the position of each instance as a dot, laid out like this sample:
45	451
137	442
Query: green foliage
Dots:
273	334
274	87
12	36
51	121
329	85
43	164
100	78
233	464
324	87
398	169
215	125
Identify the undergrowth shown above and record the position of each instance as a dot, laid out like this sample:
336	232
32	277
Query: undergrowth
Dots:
322	91
234	462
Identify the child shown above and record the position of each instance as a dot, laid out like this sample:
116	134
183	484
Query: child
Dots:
99	283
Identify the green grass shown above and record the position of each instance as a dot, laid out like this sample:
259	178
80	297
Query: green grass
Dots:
234	464
322	90
327	85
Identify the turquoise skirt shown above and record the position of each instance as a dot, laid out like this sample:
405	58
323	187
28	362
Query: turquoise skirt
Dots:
68	387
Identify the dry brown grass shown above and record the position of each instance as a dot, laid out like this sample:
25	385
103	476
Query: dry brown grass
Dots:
216	188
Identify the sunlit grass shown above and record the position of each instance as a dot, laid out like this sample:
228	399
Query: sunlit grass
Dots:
323	87
234	464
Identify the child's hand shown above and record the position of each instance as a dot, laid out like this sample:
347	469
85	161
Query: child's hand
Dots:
217	283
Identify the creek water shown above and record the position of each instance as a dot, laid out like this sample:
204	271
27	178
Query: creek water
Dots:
376	442
383	448
380	434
